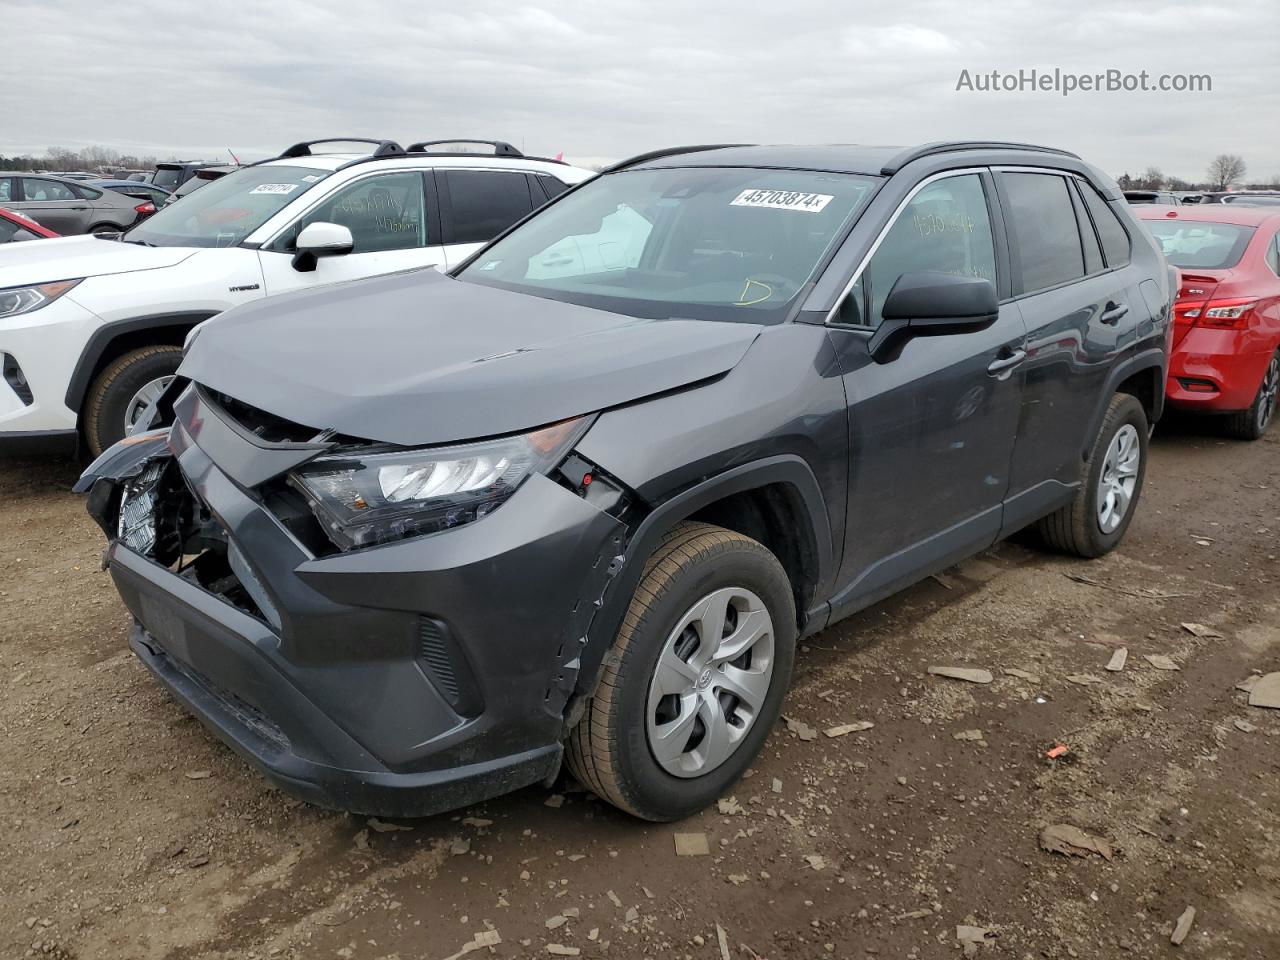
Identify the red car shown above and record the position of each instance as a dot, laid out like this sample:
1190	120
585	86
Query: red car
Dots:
1226	339
14	226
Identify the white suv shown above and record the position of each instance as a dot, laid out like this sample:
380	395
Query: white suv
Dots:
91	328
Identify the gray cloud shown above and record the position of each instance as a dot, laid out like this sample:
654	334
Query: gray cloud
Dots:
609	78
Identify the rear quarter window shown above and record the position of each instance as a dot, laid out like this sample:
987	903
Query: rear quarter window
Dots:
1115	239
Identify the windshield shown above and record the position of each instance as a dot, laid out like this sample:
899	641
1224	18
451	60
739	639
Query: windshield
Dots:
693	242
225	211
1203	246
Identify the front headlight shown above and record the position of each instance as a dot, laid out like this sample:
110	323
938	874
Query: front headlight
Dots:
16	300
361	500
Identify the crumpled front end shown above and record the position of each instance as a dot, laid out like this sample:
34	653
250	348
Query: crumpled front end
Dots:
401	679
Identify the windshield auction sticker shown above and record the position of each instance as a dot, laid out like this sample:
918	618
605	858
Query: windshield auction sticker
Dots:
275	188
782	200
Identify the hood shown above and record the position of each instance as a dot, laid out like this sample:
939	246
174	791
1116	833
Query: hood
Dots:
420	358
72	258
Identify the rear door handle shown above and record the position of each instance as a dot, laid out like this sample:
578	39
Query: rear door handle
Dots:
1113	312
1004	364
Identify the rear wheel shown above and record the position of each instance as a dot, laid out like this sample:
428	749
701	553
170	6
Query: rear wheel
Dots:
1251	424
1111	478
695	679
123	393
103	228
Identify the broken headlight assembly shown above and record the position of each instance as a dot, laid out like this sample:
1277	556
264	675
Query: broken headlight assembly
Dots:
136	525
362	499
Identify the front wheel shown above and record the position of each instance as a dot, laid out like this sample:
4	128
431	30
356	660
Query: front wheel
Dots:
1251	424
695	679
122	394
1111	478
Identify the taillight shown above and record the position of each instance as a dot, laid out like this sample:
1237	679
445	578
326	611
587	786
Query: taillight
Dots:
146	209
1227	314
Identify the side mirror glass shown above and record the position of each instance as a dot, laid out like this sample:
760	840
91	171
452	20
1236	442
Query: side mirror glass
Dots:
321	239
928	303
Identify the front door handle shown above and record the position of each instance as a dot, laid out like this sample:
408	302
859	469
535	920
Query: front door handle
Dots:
1113	311
1003	365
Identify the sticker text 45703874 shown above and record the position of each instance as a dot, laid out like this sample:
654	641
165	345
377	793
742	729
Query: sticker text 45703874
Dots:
782	200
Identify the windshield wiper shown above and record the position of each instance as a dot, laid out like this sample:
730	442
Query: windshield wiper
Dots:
141	243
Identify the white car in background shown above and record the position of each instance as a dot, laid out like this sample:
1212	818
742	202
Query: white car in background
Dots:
91	328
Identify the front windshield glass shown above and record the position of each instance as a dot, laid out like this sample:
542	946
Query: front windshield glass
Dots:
1190	244
693	242
225	211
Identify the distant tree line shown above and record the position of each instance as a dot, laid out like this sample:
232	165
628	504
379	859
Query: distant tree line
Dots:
1227	170
94	159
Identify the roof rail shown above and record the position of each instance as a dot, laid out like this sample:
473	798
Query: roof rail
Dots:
900	160
500	147
303	149
668	152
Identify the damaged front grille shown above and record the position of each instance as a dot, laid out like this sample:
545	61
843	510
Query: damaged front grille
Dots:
263	425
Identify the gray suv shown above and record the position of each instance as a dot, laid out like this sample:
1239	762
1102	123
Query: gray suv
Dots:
418	539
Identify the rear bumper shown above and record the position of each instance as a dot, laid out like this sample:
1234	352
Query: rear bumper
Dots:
1217	371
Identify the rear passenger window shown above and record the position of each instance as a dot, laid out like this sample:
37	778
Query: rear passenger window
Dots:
1273	255
6	188
1088	238
1046	239
1115	240
944	227
552	186
483	203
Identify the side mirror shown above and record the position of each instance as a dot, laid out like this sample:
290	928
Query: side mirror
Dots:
928	303
321	239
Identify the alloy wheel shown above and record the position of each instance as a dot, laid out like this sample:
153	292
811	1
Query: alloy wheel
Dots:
135	413
1268	393
1119	478
710	683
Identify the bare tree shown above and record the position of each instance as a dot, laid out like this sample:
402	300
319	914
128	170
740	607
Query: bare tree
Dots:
1226	169
1151	179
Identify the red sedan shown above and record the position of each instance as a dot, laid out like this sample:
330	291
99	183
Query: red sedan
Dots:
14	226
1226	340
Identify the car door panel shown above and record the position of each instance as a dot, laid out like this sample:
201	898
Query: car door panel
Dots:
66	216
1077	329
943	407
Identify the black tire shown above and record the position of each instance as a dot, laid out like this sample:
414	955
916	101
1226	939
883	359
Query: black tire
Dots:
103	416
1075	529
98	228
1252	423
609	751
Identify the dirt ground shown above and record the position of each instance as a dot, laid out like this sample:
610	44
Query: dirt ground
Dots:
131	833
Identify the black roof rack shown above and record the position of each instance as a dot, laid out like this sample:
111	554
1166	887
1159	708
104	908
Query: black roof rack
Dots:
900	160
303	149
668	152
500	147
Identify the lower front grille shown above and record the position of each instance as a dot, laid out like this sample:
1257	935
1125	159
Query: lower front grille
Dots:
434	652
16	379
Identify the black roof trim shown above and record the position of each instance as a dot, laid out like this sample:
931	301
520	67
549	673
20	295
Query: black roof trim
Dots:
900	160
500	147
669	152
303	149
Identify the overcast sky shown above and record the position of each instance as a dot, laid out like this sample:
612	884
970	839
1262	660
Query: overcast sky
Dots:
607	79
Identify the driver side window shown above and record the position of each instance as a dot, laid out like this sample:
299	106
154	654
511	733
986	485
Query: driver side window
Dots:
385	212
945	227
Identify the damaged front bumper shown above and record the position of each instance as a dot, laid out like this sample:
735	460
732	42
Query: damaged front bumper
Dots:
399	680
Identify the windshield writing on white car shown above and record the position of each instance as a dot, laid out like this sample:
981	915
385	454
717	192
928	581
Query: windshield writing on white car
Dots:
228	209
